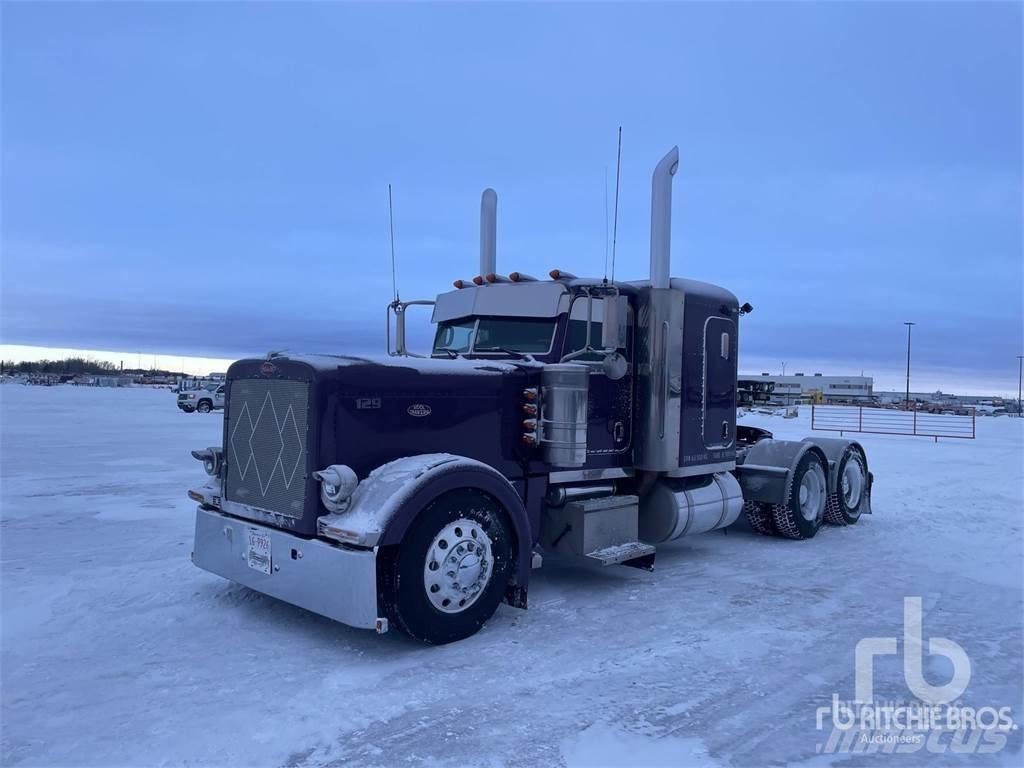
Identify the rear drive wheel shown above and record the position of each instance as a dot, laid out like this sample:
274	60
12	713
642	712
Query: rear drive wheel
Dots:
845	505
759	516
205	406
449	573
801	515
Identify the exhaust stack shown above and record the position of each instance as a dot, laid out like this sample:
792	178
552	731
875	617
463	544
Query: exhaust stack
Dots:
488	232
660	388
661	218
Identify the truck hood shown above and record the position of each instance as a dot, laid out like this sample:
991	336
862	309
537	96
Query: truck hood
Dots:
424	365
367	411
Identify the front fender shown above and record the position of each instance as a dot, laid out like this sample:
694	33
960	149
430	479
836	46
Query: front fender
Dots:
388	500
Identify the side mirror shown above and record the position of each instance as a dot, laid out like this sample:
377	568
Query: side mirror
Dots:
613	329
615	366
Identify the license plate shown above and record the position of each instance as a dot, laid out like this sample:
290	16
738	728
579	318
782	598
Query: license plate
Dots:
258	551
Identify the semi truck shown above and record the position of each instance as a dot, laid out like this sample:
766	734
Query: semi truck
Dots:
582	419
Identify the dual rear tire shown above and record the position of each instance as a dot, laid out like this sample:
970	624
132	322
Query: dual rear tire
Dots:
810	503
847	501
804	510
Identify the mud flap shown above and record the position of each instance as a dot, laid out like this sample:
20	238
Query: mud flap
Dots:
515	596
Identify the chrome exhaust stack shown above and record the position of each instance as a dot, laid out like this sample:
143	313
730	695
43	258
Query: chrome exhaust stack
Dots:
488	232
661	218
661	321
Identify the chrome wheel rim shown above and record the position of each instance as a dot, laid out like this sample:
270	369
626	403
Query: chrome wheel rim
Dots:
811	494
852	485
458	566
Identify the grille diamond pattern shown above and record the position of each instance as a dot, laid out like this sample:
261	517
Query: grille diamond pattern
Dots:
267	438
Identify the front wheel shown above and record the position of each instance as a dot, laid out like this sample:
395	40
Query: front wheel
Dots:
802	514
204	407
448	575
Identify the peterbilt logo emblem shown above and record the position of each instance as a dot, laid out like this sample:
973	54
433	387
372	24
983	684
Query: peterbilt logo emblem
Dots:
418	410
268	368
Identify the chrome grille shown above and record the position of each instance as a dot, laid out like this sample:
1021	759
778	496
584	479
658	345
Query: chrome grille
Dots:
266	445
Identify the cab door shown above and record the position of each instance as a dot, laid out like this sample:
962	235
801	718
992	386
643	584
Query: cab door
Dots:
719	406
610	403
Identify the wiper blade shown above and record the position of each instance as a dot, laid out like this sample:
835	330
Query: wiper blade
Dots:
506	350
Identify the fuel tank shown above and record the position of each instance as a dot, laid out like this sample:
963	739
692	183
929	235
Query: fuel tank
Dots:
685	507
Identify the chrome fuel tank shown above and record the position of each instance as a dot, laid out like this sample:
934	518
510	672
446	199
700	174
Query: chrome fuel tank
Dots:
675	508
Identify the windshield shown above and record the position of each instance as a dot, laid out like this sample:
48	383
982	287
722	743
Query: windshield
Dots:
495	334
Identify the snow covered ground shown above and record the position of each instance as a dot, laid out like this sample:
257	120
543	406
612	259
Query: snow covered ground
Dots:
117	651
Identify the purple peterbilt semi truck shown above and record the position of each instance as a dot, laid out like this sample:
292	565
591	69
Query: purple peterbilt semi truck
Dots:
571	418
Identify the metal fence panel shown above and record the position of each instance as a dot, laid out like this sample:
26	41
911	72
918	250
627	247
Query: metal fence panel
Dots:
888	421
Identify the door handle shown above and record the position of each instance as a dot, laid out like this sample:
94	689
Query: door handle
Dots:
619	431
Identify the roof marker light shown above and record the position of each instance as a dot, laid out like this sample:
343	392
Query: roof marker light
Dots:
558	274
493	278
521	277
478	280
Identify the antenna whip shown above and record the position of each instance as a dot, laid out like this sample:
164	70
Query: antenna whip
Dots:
606	223
615	225
391	224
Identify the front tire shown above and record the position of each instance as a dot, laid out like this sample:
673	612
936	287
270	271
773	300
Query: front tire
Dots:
205	406
448	575
802	514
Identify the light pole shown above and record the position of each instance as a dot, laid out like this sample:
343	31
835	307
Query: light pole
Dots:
907	401
1020	377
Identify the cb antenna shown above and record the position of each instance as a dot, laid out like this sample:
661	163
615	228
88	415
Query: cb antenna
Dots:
391	224
615	225
606	224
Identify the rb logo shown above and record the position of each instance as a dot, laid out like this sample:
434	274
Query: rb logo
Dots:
913	671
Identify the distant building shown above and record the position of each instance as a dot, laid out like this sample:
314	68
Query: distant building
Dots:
982	403
798	388
938	397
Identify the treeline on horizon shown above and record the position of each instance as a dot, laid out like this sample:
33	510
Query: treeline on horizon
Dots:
70	365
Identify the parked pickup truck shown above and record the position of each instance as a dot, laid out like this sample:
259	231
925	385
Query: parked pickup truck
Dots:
202	400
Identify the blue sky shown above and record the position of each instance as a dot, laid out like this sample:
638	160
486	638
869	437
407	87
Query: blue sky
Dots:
212	179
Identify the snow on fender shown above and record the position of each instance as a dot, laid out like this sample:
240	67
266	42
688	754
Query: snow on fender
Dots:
387	491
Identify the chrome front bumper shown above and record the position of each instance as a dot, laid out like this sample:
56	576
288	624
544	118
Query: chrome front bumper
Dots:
338	583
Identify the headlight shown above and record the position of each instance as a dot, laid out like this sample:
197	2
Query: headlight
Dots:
212	458
191	397
337	484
